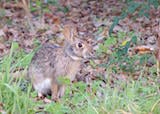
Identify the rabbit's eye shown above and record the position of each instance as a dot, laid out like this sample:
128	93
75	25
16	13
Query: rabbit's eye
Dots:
80	45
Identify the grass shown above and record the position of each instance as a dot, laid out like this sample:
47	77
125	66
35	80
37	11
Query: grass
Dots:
140	96
134	97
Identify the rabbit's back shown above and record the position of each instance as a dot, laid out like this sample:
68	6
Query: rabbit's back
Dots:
44	54
55	60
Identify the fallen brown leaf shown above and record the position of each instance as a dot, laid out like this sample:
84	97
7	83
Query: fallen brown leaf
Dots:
143	49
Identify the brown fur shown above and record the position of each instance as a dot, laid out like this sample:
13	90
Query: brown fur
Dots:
50	62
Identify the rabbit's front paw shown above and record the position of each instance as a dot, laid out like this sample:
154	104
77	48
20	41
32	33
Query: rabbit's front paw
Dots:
40	96
54	90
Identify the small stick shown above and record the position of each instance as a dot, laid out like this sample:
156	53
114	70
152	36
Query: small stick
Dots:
158	65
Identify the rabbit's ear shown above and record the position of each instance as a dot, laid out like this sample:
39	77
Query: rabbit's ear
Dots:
69	33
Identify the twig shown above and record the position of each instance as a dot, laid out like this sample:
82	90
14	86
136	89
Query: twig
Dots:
158	101
26	8
158	68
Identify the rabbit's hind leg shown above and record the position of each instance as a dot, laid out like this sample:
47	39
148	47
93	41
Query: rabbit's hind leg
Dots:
40	95
61	91
54	92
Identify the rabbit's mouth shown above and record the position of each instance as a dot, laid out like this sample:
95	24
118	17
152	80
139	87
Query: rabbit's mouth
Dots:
75	57
88	56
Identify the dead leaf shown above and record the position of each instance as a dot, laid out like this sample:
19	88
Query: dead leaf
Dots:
2	32
1	109
46	100
2	46
13	5
56	20
143	49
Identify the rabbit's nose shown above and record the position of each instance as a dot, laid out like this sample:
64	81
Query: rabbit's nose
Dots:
90	55
93	52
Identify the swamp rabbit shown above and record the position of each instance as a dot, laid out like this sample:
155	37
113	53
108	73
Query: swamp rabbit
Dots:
51	62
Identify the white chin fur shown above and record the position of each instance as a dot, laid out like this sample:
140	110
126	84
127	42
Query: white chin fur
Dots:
75	58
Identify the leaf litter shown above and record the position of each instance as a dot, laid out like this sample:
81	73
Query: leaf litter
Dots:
92	20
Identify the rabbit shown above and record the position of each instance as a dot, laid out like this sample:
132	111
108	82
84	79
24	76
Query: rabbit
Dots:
52	61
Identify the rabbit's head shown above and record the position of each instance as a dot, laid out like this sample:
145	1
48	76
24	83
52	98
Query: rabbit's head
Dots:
76	48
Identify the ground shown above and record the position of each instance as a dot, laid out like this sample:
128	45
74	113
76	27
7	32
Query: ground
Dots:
124	34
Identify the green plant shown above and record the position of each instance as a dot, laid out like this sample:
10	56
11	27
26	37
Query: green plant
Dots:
11	96
130	97
43	6
133	6
117	50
